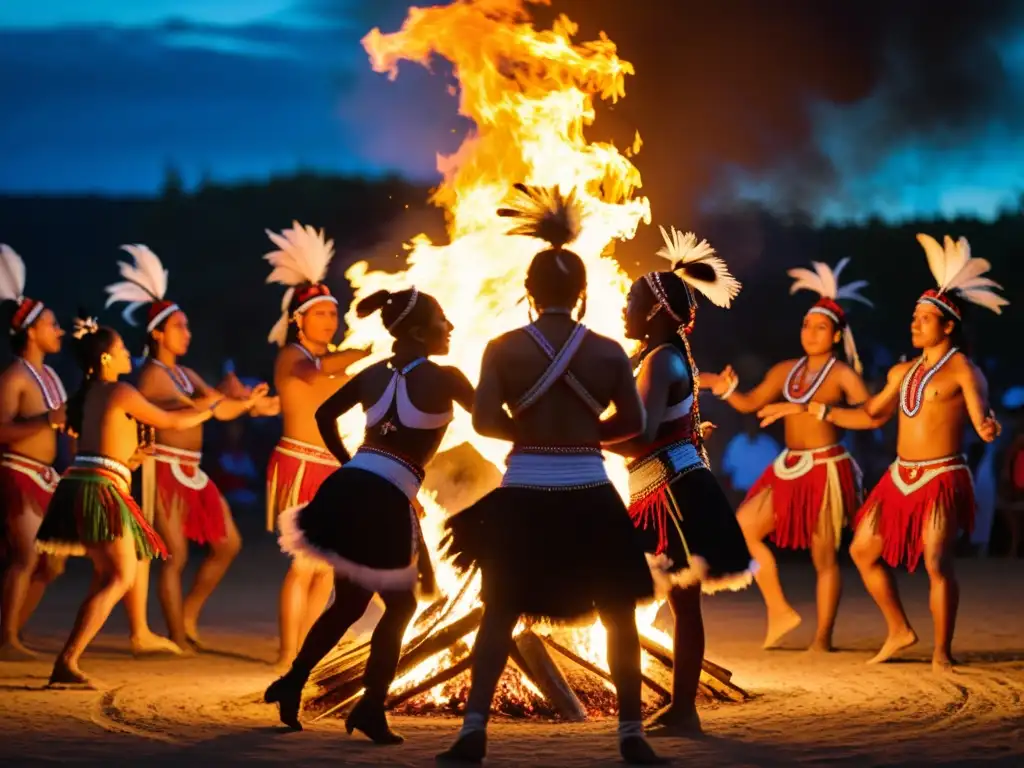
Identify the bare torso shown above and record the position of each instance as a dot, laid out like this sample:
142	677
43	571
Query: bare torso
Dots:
299	398
157	385
19	382
937	429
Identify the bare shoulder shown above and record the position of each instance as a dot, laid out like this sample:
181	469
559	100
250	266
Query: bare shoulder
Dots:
605	346
123	391
845	370
14	376
665	359
148	374
288	354
898	371
194	377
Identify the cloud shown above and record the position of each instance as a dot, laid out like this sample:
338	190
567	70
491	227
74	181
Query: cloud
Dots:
108	108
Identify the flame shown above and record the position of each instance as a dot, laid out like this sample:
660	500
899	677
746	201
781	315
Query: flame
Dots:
529	93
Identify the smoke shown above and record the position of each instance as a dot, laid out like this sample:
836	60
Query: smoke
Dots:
775	92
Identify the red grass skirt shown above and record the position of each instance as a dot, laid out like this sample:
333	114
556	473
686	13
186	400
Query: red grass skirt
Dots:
913	493
26	486
180	482
805	484
93	504
295	472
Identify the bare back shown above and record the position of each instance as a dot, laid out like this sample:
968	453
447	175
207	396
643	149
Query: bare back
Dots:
300	398
157	386
560	416
107	429
23	399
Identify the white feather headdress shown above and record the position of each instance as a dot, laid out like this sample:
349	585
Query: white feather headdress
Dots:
544	213
699	266
957	272
825	282
145	282
12	288
302	256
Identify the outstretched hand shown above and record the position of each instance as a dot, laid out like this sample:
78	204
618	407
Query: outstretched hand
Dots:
775	411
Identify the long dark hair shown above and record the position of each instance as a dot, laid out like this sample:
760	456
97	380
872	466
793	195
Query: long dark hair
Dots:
391	305
90	342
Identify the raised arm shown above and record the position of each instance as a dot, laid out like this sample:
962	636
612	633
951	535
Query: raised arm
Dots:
975	388
131	401
490	418
871	414
331	364
768	391
14	429
629	418
342	401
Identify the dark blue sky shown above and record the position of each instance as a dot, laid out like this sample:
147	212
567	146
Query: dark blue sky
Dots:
103	95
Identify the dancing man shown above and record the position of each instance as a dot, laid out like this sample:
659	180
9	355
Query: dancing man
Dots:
32	412
362	521
305	375
555	540
92	512
187	505
927	495
805	497
692	537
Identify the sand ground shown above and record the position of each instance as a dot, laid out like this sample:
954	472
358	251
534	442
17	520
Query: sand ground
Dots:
809	709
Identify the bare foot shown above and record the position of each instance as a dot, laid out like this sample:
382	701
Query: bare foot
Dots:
150	643
283	664
943	664
894	645
185	646
13	650
67	676
675	721
821	646
779	626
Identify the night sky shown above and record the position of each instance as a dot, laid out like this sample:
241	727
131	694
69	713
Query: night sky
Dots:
888	108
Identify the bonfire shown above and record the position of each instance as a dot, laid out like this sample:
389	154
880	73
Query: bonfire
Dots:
530	94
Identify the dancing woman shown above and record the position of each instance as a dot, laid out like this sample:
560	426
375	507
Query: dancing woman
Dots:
361	522
804	498
692	537
306	373
554	541
92	512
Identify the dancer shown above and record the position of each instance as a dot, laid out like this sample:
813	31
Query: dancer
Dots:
305	375
32	412
555	540
689	526
362	522
927	495
92	512
805	497
187	504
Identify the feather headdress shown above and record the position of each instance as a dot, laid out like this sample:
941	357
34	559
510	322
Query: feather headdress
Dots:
145	282
959	276
301	259
12	288
698	266
825	282
544	213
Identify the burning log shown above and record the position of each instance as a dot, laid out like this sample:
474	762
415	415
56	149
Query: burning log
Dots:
592	668
714	678
533	658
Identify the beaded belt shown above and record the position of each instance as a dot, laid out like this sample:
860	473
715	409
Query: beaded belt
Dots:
297	449
169	455
92	463
650	473
555	468
43	475
402	474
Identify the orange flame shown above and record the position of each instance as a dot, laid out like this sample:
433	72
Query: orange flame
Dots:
530	94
